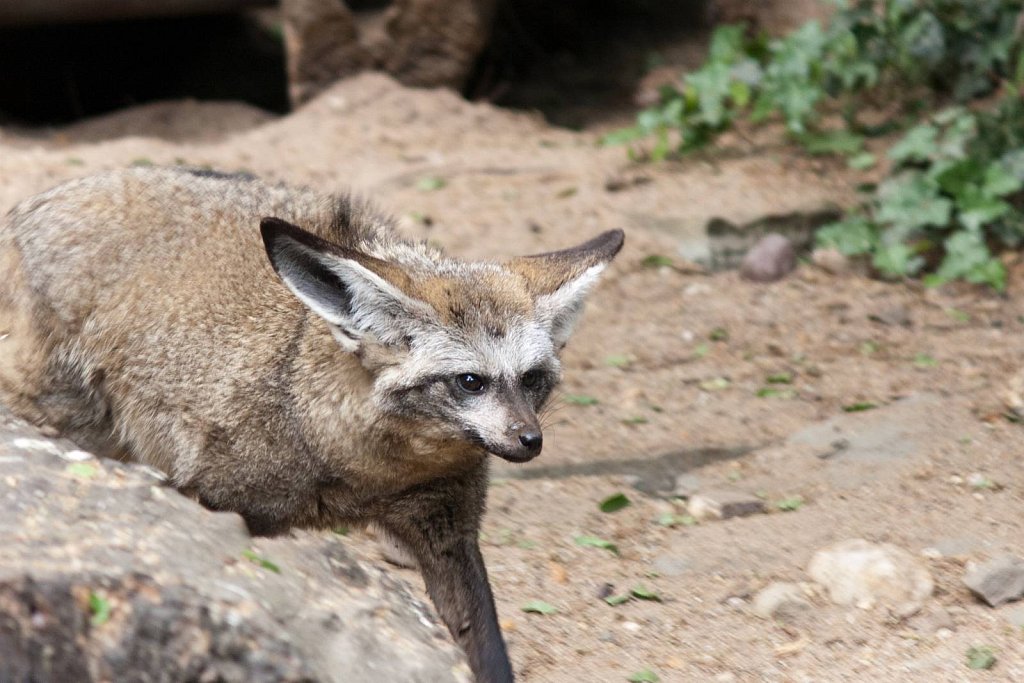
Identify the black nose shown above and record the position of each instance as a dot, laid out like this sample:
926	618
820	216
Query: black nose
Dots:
532	441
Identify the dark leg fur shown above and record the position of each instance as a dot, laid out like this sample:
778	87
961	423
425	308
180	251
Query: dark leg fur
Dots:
440	523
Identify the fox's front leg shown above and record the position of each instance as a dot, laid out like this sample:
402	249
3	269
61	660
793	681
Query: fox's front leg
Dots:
440	524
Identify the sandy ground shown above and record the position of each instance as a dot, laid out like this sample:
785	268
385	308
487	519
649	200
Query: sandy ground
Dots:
676	361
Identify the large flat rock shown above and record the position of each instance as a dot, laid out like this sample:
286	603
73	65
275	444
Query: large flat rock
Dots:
107	574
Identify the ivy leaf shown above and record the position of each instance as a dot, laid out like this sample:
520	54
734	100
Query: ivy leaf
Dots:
918	144
539	607
642	593
261	561
980	658
999	181
595	542
616	600
99	606
910	201
842	142
614	503
853	236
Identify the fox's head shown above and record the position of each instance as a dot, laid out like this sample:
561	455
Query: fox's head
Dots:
468	350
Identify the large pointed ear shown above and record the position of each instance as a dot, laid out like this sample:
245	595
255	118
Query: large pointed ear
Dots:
358	295
559	280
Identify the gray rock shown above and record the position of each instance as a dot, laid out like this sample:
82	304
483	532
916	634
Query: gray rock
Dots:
860	447
771	259
1014	616
780	600
997	581
686	485
191	596
724	504
857	572
931	623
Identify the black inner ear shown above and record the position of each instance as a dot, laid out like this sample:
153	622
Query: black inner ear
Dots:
314	279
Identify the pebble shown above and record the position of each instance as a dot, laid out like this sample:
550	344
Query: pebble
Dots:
857	572
997	581
771	259
780	600
831	260
724	504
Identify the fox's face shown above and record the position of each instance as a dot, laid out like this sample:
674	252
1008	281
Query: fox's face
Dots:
467	350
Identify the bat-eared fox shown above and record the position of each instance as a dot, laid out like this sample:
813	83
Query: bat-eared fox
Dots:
286	356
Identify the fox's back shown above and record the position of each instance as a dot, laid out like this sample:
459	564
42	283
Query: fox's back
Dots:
151	295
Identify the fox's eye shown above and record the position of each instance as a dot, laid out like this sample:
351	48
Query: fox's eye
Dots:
532	379
471	383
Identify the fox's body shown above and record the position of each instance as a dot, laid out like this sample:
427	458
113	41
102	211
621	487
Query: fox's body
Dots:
140	315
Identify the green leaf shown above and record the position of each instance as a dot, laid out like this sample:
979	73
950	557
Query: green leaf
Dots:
614	503
581	400
618	360
895	260
539	607
859	407
645	676
261	561
999	181
910	200
923	360
780	378
919	144
99	607
862	161
775	392
642	593
635	420
790	503
841	142
656	261
719	334
853	236
85	470
968	257
595	542
670	520
616	600
430	183
981	658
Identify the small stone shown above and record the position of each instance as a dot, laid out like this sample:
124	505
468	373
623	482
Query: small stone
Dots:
736	602
831	260
997	581
771	259
726	677
631	626
724	504
780	600
930	623
670	564
686	485
857	572
896	316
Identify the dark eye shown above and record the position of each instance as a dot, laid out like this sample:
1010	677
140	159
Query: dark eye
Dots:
470	383
532	379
